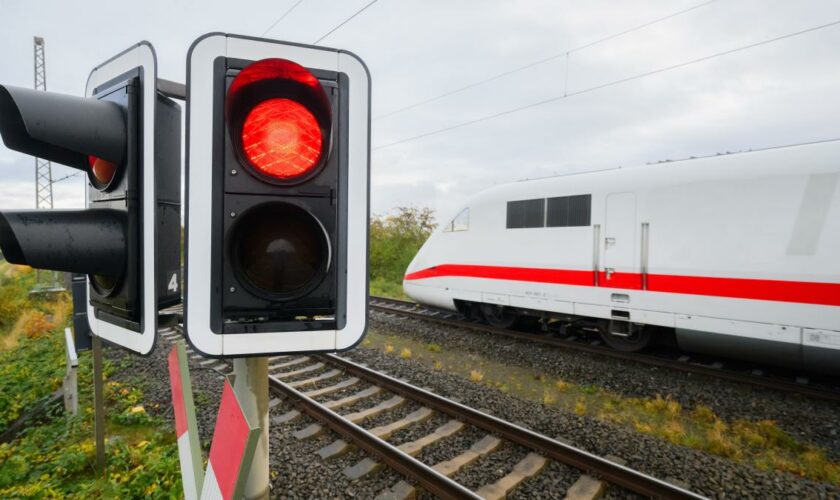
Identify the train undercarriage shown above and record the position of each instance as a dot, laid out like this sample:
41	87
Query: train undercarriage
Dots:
620	335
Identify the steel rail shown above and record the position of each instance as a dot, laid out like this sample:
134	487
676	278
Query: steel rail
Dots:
442	486
425	476
769	383
612	472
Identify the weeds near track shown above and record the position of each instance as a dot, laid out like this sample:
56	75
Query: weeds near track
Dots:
759	443
55	458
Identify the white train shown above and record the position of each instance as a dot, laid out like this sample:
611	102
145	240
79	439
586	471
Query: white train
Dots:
735	254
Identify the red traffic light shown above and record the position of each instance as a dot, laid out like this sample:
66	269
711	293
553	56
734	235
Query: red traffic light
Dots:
277	197
281	138
279	120
102	172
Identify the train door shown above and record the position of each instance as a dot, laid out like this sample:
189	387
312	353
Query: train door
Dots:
620	242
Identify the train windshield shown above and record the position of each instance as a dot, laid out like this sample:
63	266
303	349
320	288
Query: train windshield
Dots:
461	222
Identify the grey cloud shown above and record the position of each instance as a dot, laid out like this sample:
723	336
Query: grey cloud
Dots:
776	94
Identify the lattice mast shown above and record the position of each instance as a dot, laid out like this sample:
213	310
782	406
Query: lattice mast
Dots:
45	280
43	168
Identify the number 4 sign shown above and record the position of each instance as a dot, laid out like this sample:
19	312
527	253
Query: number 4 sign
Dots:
173	283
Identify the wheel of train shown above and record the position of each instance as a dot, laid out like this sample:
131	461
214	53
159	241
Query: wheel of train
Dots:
625	336
498	316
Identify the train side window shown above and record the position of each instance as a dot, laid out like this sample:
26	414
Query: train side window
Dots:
526	213
569	211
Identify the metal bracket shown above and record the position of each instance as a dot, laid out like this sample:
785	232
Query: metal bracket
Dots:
172	90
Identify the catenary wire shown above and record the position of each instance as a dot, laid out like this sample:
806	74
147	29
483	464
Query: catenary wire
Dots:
67	177
282	16
544	60
330	32
641	26
608	84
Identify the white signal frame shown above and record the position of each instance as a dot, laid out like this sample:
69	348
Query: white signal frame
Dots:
141	55
200	101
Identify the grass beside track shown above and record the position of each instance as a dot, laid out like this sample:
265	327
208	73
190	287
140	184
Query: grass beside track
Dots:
381	287
55	457
759	443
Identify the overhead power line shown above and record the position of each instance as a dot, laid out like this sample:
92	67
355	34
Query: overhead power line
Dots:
544	60
282	16
67	176
330	32
608	84
641	26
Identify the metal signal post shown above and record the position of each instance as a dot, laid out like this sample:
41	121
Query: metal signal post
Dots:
276	208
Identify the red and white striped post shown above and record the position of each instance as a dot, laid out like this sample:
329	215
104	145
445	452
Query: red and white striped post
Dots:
234	441
186	427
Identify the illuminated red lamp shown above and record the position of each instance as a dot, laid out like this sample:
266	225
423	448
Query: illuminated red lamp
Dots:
102	171
279	117
281	138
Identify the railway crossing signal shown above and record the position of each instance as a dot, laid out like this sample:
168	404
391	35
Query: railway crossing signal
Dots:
276	198
126	137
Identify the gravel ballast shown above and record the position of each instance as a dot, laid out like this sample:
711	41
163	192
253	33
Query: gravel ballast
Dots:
706	474
808	420
298	472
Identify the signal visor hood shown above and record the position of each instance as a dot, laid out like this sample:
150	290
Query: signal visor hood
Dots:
61	128
79	241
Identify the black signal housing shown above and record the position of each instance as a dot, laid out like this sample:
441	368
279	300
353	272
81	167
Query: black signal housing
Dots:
241	192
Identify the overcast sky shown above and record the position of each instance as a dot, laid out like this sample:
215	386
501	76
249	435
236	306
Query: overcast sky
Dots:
778	93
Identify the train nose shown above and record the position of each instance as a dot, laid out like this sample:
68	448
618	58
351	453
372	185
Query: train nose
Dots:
413	267
409	284
418	263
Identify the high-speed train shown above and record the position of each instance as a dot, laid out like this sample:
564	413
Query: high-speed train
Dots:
735	254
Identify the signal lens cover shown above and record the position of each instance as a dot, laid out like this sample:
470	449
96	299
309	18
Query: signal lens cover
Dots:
279	118
281	138
103	171
280	249
104	284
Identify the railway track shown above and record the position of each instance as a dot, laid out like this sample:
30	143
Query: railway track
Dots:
760	377
310	383
435	478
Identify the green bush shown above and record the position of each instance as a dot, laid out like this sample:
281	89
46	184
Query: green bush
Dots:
28	373
55	458
394	241
15	282
34	364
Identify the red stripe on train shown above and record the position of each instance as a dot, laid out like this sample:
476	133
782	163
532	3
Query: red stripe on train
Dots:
805	292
